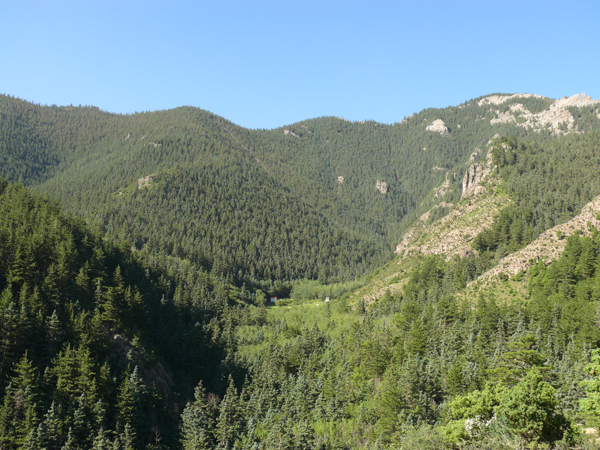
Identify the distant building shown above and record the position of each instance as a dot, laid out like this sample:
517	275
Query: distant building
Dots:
326	299
273	299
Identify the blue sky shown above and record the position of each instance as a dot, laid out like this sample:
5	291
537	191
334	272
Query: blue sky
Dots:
264	64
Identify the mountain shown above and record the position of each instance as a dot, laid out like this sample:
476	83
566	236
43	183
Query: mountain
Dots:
95	339
438	278
320	199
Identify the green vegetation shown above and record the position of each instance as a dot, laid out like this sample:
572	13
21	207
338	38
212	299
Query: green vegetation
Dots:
255	206
98	344
138	318
549	183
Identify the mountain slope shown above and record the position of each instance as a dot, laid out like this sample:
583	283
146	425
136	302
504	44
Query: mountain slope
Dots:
365	182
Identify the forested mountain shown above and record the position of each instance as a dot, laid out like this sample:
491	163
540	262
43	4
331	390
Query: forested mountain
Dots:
137	316
96	342
237	198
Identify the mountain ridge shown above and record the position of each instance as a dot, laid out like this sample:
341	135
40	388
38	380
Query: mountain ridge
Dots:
237	288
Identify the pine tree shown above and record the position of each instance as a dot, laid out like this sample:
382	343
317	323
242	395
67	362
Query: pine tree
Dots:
197	422
54	335
101	441
229	424
130	402
7	414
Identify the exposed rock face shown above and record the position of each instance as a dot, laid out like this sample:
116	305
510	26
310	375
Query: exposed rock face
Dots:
494	137
453	233
499	99
128	136
439	126
340	179
145	181
475	154
474	175
556	117
286	132
547	246
154	144
425	217
382	186
443	188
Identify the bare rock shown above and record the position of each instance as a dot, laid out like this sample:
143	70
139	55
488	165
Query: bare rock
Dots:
494	137
145	181
548	246
340	180
474	175
438	126
443	188
382	186
557	117
499	99
128	136
452	233
154	144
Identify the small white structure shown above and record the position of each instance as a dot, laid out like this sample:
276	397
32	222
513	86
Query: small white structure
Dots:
273	299
326	299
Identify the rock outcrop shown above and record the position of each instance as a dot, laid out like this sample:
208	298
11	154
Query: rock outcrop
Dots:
453	233
340	180
557	117
475	154
382	186
474	175
145	181
499	99
438	126
443	188
548	246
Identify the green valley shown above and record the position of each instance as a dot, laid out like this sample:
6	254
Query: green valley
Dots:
169	279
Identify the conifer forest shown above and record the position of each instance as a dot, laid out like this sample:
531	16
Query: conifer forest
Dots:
170	280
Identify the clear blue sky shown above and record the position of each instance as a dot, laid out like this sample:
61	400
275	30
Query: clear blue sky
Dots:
264	64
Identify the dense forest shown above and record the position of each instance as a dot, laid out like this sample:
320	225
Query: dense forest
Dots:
231	199
101	347
138	253
97	343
